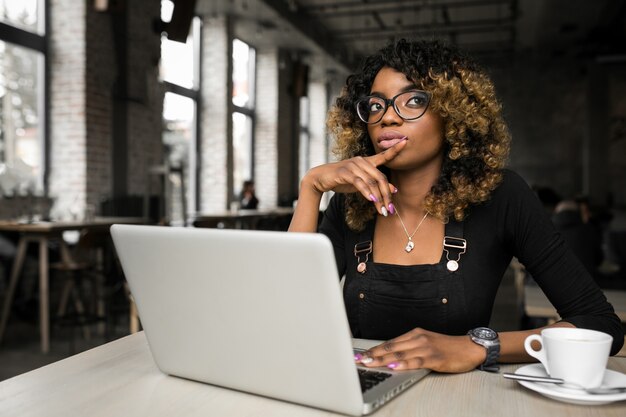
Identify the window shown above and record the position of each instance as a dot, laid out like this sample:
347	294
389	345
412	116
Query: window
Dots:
243	114
179	71
305	138
22	97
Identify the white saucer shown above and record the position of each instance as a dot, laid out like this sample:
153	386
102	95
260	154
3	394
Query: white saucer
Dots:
574	396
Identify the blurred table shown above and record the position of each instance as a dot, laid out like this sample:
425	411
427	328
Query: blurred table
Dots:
277	218
536	304
42	233
120	378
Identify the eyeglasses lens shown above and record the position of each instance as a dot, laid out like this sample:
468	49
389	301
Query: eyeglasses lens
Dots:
410	105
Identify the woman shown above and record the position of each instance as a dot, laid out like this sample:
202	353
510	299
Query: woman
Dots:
248	199
423	145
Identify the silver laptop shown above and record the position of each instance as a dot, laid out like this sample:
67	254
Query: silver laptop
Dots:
255	311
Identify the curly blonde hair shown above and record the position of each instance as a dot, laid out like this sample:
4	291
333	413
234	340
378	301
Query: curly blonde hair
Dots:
477	140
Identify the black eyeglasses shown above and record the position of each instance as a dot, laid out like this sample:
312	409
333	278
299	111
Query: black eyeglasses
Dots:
409	105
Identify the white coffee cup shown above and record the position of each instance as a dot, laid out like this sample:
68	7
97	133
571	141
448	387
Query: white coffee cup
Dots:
578	356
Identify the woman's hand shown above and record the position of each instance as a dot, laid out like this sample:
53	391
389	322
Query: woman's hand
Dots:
359	174
421	348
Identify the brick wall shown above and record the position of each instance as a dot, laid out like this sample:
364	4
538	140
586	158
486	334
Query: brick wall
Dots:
68	163
617	135
547	105
145	96
83	74
318	108
266	127
544	104
101	73
215	117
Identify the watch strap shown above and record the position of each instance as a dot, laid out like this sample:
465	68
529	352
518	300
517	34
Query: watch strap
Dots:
491	362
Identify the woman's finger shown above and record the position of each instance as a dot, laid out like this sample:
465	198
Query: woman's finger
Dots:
369	181
383	157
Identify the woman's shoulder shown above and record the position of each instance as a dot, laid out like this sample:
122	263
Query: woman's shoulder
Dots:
512	186
513	192
512	180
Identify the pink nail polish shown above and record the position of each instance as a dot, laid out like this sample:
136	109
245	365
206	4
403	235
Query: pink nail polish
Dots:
358	357
395	190
373	198
392	208
392	365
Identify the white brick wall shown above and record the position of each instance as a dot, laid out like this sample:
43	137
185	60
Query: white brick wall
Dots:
145	106
83	72
215	118
68	165
266	129
318	109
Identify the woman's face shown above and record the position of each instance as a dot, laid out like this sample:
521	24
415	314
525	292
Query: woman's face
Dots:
424	135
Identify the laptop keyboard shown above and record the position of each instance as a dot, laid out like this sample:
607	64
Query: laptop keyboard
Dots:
369	379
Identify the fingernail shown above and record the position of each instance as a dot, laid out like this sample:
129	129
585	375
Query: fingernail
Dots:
367	360
395	190
383	210
358	357
373	198
392	208
392	365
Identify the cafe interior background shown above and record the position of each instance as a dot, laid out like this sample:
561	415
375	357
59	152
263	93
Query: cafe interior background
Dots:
159	110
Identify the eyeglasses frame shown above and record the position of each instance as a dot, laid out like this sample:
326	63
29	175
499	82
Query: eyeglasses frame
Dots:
391	102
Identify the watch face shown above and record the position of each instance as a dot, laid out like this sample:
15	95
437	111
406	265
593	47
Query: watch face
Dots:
485	333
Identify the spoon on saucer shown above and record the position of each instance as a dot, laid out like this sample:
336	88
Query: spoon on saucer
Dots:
596	391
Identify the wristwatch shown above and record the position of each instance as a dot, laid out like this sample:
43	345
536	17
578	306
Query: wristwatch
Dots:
487	338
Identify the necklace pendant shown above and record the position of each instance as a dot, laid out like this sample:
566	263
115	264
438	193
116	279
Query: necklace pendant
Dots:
409	246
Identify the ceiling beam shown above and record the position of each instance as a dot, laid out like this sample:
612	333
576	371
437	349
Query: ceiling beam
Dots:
314	30
360	8
473	26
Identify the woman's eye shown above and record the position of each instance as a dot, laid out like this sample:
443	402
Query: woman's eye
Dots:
417	101
375	107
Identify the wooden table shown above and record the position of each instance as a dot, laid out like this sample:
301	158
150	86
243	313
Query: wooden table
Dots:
536	304
42	233
121	379
240	219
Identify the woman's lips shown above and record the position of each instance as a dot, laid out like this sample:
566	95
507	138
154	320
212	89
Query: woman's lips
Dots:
387	141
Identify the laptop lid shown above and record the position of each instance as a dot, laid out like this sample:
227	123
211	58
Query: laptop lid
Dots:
254	311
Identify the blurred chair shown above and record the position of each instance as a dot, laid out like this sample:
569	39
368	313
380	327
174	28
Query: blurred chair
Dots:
82	302
617	247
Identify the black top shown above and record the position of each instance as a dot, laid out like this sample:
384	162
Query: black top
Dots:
584	239
389	300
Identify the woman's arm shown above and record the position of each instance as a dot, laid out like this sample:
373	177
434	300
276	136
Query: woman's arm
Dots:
421	348
352	175
306	213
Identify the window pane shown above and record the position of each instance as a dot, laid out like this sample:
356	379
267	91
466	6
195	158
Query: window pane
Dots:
242	148
22	13
243	74
179	115
177	61
21	146
304	154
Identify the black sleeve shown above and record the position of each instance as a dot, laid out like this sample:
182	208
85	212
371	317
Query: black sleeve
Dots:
333	226
543	251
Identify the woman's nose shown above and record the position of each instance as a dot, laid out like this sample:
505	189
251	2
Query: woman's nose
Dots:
391	117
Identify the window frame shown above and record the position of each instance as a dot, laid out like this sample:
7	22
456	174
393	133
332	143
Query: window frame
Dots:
37	42
193	93
248	111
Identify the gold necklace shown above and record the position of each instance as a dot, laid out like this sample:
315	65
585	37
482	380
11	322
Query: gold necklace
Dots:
409	244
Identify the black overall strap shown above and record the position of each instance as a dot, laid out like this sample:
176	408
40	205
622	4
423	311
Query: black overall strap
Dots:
454	244
363	247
